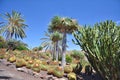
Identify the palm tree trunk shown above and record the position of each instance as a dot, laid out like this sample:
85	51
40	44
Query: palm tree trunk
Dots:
57	51
64	49
54	51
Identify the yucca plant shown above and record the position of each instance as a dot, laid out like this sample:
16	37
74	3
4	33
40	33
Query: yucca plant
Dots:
101	44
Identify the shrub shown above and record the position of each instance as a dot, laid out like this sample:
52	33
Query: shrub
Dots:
77	55
68	58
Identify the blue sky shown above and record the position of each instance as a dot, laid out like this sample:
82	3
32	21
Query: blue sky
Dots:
38	14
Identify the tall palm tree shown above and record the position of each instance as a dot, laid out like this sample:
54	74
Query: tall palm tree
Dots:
64	25
51	43
15	26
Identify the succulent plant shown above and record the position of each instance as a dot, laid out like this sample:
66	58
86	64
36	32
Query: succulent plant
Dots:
101	46
20	62
58	72
54	63
71	76
12	59
44	67
78	68
68	69
88	70
38	61
29	64
36	67
51	69
27	58
44	62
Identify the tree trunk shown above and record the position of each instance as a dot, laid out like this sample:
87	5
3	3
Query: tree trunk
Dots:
57	51
54	52
64	49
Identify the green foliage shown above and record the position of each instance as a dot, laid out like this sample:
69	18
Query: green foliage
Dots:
2	42
101	44
14	26
14	44
40	48
21	47
68	58
77	55
78	68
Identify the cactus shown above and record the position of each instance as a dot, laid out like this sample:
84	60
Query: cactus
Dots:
68	69
12	59
88	70
20	62
51	69
36	67
29	64
78	68
72	76
44	67
58	72
101	45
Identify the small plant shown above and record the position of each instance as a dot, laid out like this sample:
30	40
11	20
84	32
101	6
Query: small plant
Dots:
72	76
44	67
68	69
58	72
29	64
20	62
12	59
36	67
51	69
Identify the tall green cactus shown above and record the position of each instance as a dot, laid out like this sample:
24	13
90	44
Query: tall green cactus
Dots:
101	44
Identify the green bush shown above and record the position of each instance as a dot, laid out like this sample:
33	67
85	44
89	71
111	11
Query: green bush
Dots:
77	55
21	47
68	58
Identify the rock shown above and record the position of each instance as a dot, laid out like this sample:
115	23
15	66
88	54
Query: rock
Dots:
3	74
23	69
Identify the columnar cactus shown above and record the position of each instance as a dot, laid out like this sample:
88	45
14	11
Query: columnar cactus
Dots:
101	44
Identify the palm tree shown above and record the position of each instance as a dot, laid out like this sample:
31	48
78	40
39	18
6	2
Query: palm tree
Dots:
64	25
55	37
51	43
15	26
